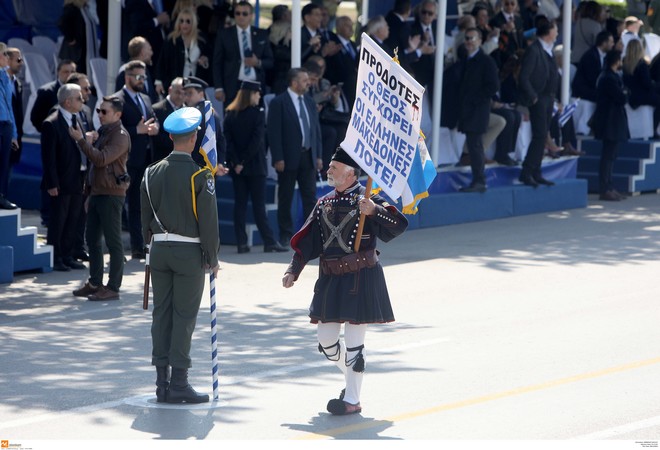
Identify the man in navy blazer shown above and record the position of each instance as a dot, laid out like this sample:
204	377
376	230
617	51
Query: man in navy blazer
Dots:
141	124
47	94
294	137
62	176
162	143
590	67
244	59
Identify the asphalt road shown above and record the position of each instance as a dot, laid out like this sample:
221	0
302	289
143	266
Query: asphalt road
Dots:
536	329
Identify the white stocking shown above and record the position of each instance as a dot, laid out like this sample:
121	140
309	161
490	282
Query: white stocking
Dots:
354	338
328	336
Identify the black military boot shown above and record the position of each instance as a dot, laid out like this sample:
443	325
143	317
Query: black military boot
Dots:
162	383
182	392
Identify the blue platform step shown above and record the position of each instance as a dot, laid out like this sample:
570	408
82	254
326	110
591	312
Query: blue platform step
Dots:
636	169
28	254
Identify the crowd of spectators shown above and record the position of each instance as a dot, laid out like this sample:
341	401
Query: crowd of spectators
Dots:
168	45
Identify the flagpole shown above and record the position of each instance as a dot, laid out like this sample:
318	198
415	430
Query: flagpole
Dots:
214	338
358	238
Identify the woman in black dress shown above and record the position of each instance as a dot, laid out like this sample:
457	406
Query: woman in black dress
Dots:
245	132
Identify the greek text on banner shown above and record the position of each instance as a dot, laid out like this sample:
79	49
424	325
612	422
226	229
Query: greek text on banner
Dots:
384	128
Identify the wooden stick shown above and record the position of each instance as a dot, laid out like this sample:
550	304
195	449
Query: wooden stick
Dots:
358	238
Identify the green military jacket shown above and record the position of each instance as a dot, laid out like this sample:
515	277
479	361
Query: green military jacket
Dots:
183	197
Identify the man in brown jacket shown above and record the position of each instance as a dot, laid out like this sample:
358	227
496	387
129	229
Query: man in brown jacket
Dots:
107	184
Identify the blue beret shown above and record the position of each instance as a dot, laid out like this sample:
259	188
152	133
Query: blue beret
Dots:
183	120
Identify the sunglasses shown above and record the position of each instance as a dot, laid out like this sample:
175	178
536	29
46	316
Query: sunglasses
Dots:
138	77
428	13
102	111
19	60
242	13
188	21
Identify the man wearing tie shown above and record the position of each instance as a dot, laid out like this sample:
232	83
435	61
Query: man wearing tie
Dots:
294	136
146	18
62	180
242	53
342	67
425	26
139	120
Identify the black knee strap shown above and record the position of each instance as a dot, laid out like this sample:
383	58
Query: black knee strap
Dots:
357	361
334	356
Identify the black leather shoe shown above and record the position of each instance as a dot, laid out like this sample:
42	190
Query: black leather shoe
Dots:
610	196
138	254
6	204
61	267
476	187
541	180
507	162
70	262
527	180
243	249
81	255
275	248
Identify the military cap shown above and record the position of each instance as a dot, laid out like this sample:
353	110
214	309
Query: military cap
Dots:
194	82
183	120
251	86
343	157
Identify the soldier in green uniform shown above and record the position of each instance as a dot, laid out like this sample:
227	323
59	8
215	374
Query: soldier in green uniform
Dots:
180	219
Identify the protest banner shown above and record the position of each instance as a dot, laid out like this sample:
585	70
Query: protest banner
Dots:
383	132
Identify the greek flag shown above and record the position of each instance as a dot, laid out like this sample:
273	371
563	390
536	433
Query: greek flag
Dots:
422	174
567	113
208	149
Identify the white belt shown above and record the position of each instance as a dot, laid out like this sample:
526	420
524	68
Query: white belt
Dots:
173	237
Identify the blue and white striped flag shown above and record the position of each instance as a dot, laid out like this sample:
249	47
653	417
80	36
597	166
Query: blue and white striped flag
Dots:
422	174
208	149
567	113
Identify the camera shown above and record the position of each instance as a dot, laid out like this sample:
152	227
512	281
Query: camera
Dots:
123	178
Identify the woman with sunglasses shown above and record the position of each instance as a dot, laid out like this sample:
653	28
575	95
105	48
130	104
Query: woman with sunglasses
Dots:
186	52
246	152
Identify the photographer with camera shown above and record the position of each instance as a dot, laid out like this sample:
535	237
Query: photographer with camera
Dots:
106	185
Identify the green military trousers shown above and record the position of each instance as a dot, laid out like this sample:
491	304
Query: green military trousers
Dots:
177	275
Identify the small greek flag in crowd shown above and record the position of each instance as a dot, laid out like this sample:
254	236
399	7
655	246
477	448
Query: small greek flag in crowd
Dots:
567	113
208	149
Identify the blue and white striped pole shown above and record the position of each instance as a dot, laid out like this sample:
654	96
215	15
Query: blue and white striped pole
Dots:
214	338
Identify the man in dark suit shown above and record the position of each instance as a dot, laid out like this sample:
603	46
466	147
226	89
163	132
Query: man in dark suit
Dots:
194	96
402	37
140	121
510	24
242	53
62	178
311	40
538	83
15	66
425	26
342	67
47	94
294	136
590	67
86	124
479	83
139	49
146	18
174	100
